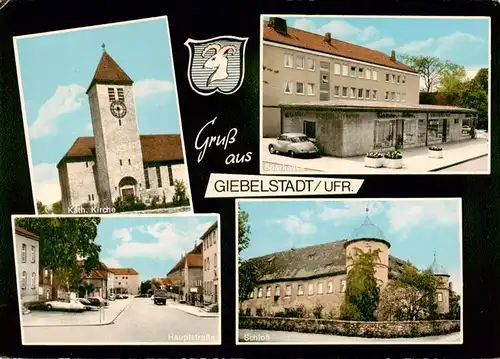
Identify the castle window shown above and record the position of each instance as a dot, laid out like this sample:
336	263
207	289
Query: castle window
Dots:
121	163
146	178
320	288
288	290
277	291
300	289
170	176
111	94
158	175
268	292
440	297
259	292
129	161
343	285
330	286
121	96
310	290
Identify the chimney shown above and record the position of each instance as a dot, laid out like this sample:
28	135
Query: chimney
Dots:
278	24
393	55
328	38
195	244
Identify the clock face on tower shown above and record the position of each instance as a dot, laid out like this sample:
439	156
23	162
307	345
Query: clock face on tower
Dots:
118	109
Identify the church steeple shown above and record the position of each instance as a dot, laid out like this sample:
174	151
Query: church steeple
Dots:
109	72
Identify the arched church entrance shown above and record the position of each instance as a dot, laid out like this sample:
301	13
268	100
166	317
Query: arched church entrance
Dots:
128	189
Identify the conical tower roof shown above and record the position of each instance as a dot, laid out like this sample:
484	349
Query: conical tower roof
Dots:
109	72
438	269
367	230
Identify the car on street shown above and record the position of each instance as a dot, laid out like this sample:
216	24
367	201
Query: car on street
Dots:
65	305
86	303
160	297
98	301
293	144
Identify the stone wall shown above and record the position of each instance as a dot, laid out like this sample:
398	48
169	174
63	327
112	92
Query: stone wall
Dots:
393	329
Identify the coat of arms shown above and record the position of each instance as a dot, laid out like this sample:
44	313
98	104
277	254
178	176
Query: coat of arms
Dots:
216	64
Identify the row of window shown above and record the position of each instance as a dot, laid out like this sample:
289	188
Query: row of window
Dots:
112	94
24	248
24	280
158	177
210	240
343	69
300	289
206	262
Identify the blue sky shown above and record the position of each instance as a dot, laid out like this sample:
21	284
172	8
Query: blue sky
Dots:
415	228
152	246
56	70
462	41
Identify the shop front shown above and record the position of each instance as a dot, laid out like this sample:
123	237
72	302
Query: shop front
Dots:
354	132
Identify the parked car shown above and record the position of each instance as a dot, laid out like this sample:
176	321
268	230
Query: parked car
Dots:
65	305
87	304
98	301
160	297
119	296
112	297
293	144
125	296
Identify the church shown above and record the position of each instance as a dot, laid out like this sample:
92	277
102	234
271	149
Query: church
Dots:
118	162
317	275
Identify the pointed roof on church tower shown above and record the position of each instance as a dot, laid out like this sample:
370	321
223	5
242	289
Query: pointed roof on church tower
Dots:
109	72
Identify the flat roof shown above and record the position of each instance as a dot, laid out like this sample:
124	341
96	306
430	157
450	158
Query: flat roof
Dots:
376	105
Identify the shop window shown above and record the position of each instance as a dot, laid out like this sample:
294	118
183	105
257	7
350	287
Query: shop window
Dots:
384	133
434	130
410	135
310	129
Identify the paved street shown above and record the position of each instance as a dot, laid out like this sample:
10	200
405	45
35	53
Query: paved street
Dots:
141	322
478	164
268	336
415	160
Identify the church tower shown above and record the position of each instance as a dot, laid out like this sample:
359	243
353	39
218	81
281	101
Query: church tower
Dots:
119	168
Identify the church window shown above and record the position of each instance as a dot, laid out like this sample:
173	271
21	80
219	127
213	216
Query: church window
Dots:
158	175
129	161
121	96
121	163
111	94
170	176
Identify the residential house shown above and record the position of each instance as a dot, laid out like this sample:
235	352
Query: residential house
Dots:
211	256
126	280
98	278
27	264
348	98
188	275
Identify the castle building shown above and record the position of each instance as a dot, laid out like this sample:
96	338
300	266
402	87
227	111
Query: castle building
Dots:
444	287
349	98
118	162
317	275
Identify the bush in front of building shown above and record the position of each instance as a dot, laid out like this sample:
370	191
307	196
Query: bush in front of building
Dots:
122	205
292	312
318	311
180	197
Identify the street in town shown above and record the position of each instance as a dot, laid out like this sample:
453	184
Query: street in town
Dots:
415	160
269	336
137	320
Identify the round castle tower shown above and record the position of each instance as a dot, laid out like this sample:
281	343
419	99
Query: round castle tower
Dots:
443	286
369	237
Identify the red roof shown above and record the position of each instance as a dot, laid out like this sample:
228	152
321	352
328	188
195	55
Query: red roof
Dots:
162	281
194	260
123	271
311	41
155	148
108	71
25	233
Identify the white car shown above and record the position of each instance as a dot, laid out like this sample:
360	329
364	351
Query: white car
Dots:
65	305
293	144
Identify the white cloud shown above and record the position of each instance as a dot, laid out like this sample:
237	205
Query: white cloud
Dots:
65	99
169	240
123	234
304	24
307	214
45	179
383	43
456	280
351	210
439	46
295	225
111	262
405	215
148	87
